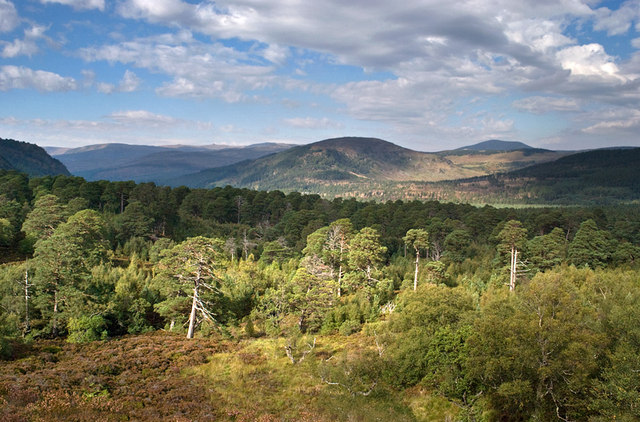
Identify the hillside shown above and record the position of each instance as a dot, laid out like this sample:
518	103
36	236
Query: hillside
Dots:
143	163
364	168
325	164
28	158
601	176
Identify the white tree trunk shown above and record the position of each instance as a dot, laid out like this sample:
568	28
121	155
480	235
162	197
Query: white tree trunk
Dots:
192	316
415	275
514	269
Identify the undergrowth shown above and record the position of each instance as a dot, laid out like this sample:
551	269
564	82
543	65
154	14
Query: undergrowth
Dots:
162	376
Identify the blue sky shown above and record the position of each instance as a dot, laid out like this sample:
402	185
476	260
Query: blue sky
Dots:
427	75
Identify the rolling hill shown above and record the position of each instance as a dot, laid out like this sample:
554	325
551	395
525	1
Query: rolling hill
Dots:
329	163
143	163
28	158
496	145
353	166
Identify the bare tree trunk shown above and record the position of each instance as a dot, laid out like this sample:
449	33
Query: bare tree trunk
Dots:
27	325
192	317
514	270
415	275
340	280
54	320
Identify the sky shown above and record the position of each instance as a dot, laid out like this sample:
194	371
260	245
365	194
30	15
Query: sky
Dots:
424	74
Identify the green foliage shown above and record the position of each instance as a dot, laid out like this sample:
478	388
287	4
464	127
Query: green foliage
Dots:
428	330
536	353
85	329
547	251
590	246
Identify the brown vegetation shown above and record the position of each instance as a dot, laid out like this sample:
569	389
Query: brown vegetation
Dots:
130	378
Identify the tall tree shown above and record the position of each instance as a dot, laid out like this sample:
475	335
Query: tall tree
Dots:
590	246
189	274
548	250
418	239
366	252
46	215
512	238
336	247
64	261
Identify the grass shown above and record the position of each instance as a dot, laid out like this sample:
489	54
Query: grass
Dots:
162	376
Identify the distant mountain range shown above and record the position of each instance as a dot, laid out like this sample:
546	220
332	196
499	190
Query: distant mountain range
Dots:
344	165
143	163
28	158
368	168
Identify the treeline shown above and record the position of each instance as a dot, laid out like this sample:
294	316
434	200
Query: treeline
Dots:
511	314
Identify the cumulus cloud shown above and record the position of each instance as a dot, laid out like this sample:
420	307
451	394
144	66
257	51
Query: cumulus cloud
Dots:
8	16
589	60
26	46
18	77
617	22
79	4
197	69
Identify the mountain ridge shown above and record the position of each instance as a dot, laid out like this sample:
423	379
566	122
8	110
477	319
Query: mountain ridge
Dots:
146	163
350	160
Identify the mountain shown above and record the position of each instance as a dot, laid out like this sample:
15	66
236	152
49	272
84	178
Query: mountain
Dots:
324	165
28	158
143	163
496	145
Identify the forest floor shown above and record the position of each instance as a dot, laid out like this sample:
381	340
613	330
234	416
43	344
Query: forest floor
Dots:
163	376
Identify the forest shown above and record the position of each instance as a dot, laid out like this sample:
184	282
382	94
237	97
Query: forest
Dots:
293	307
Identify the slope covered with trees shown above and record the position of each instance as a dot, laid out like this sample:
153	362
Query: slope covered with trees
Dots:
341	161
28	158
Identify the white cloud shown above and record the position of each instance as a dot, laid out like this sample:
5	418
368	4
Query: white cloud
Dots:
197	69
142	117
79	4
541	105
8	16
129	83
590	60
617	123
617	22
126	126
313	123
26	46
15	77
